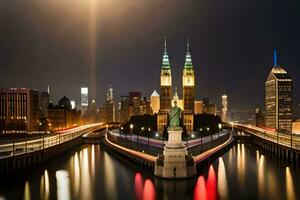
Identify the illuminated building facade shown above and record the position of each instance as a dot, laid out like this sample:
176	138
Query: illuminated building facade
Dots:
224	108
188	83
278	99
110	105
199	107
19	110
84	99
154	102
165	91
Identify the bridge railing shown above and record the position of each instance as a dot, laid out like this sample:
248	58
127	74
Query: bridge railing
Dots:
26	145
288	140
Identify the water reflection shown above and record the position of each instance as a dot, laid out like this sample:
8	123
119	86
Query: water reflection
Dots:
211	184
290	190
45	186
261	176
149	190
63	185
86	192
241	165
222	180
27	191
200	189
110	177
76	174
138	186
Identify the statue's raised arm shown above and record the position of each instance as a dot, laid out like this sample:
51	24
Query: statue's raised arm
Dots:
175	114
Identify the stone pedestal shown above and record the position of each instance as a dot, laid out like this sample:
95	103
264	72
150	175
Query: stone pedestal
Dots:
175	161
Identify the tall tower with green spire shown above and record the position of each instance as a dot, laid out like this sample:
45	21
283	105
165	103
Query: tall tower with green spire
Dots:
188	81
165	82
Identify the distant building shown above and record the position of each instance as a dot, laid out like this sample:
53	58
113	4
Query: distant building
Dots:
124	109
102	114
210	109
65	103
73	104
110	105
19	110
154	102
198	107
259	118
84	99
278	99
224	108
145	108
44	102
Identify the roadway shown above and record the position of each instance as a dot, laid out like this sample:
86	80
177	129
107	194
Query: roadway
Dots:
12	147
287	140
155	145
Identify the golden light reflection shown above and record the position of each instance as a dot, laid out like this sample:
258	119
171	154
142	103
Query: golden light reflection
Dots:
76	174
272	184
86	192
27	191
110	177
261	176
45	186
63	185
257	157
290	189
222	180
241	164
93	161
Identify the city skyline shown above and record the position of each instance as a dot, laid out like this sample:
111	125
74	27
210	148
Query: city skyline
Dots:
226	57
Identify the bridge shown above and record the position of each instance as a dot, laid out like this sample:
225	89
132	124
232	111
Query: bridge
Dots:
284	145
22	152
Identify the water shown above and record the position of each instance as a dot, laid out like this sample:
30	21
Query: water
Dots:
88	172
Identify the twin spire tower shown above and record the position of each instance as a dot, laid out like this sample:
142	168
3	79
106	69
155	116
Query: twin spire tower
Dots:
188	84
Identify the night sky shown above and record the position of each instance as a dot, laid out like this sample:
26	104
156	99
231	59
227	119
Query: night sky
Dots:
57	43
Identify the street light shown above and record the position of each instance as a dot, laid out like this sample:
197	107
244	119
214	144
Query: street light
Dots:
121	130
149	131
220	127
131	129
207	129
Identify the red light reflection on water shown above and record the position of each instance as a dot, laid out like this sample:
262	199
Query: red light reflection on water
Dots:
211	184
206	190
144	191
149	190
200	189
138	186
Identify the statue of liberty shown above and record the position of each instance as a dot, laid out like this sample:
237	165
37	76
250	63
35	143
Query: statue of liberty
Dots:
175	114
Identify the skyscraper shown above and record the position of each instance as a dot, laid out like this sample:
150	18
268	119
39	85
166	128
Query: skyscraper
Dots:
224	108
110	105
124	109
278	98
84	99
165	91
188	83
165	82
